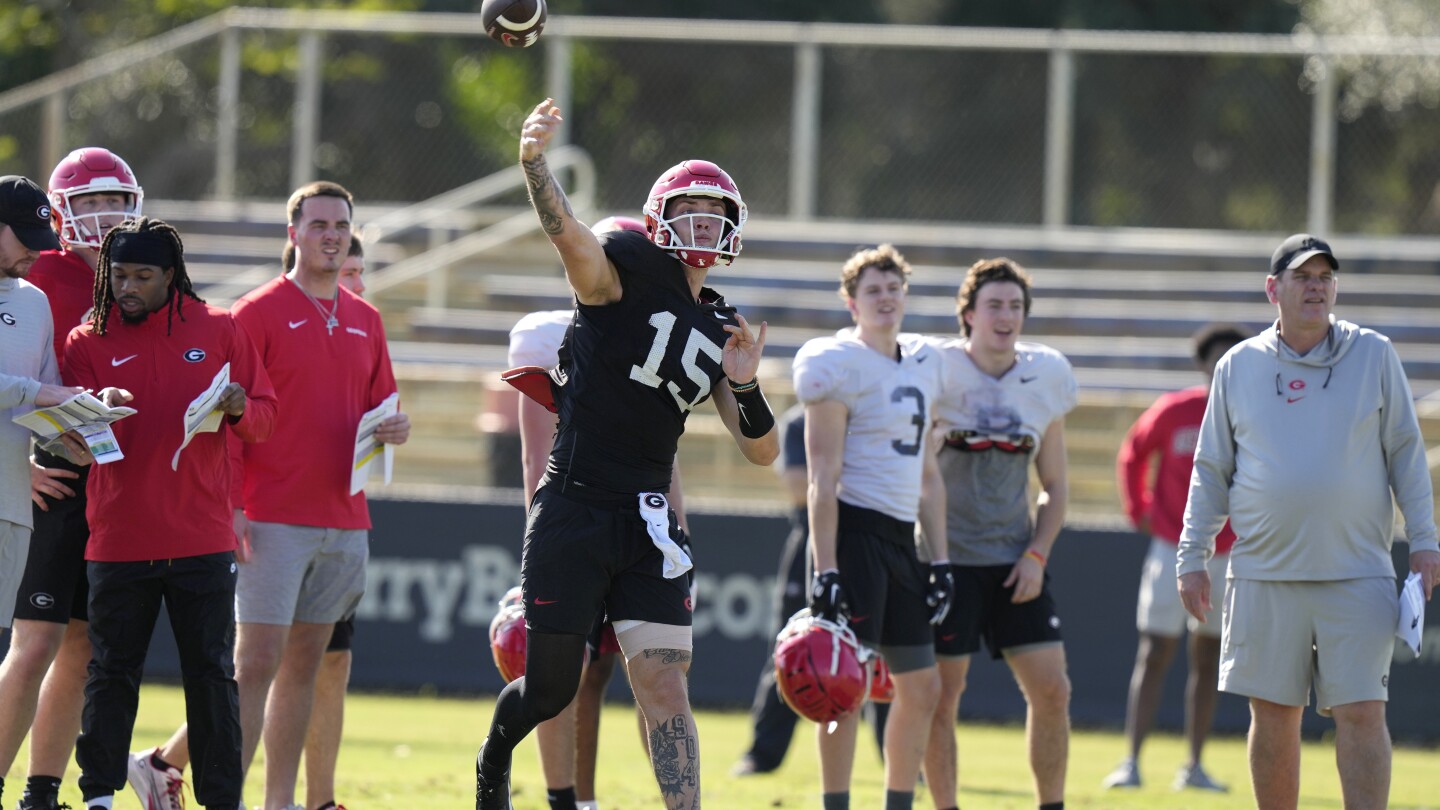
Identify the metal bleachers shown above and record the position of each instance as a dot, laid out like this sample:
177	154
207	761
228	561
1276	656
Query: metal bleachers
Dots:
1124	324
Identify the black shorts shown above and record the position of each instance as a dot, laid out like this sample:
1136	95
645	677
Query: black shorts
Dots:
54	587
883	580
342	636
982	609
588	558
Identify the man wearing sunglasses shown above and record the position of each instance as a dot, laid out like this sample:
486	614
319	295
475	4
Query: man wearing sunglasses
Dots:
1003	410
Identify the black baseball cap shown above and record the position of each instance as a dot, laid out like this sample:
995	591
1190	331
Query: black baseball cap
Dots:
1298	249
26	209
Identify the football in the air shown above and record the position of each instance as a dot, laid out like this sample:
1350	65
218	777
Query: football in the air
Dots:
513	23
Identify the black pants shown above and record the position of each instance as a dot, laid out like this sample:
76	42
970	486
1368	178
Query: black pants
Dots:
125	597
772	720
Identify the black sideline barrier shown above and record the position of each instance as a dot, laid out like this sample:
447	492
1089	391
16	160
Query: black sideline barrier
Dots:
438	569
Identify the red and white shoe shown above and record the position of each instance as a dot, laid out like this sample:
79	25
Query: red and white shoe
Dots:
158	789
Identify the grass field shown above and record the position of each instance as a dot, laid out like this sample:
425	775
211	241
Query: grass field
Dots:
406	753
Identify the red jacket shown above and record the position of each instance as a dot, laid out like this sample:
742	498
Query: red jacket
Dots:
69	283
327	379
138	508
1169	429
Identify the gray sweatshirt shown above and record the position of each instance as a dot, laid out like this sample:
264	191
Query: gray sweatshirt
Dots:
1302	454
27	358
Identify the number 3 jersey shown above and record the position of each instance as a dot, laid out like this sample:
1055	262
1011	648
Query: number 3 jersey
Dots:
630	373
992	429
889	402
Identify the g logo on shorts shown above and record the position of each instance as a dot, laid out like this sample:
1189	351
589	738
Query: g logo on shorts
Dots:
7	319
194	355
42	600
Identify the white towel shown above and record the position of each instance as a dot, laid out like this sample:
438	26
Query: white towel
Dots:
1411	625
656	512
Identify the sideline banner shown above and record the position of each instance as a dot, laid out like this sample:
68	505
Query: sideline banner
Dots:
437	571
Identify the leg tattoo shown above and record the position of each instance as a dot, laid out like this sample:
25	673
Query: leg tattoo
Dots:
674	753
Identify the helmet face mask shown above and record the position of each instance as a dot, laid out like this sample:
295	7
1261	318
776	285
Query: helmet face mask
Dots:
682	220
85	172
821	670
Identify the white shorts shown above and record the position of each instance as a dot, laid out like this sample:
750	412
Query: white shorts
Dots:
1282	638
302	574
14	551
1159	611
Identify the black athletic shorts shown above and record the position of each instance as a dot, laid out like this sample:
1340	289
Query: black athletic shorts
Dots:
343	635
982	609
54	587
591	557
883	580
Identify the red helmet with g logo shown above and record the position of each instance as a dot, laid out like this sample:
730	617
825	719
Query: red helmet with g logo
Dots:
821	670
91	170
696	239
507	636
609	224
882	686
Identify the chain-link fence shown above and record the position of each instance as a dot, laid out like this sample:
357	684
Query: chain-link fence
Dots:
826	121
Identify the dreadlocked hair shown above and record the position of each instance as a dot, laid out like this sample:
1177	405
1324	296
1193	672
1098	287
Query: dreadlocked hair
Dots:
179	282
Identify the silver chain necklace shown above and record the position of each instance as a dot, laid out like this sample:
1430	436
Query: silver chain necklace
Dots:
330	320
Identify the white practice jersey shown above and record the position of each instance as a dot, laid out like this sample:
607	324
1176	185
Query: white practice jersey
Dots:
992	429
535	339
889	404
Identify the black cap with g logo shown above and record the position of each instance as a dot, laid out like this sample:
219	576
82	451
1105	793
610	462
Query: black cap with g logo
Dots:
24	207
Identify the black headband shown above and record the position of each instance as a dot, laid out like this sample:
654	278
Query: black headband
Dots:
154	249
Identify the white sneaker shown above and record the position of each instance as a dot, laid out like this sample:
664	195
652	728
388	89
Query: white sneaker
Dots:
1188	777
157	789
1125	775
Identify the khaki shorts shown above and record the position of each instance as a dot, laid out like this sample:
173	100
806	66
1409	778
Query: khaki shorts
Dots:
303	574
14	550
1282	638
1159	611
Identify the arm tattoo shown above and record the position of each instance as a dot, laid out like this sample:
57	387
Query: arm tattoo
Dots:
545	194
669	656
675	755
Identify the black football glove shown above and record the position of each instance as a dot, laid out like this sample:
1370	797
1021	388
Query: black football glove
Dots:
827	599
941	592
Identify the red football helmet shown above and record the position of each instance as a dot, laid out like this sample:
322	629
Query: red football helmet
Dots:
91	170
822	672
507	636
609	224
696	178
882	687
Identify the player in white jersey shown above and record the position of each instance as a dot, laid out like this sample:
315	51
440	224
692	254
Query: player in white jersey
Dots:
1003	409
868	396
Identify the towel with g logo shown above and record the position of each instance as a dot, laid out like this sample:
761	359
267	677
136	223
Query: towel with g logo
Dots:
655	509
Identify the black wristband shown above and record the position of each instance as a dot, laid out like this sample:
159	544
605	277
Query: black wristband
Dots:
756	419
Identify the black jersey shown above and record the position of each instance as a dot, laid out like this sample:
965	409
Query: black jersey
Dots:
630	372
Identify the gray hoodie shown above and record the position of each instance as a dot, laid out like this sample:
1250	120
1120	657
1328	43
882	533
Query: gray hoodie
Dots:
1302	454
27	358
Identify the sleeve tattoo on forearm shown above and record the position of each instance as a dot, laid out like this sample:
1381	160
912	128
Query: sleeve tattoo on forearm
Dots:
545	194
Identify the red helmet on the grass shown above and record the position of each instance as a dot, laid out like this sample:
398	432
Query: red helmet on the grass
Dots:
821	670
